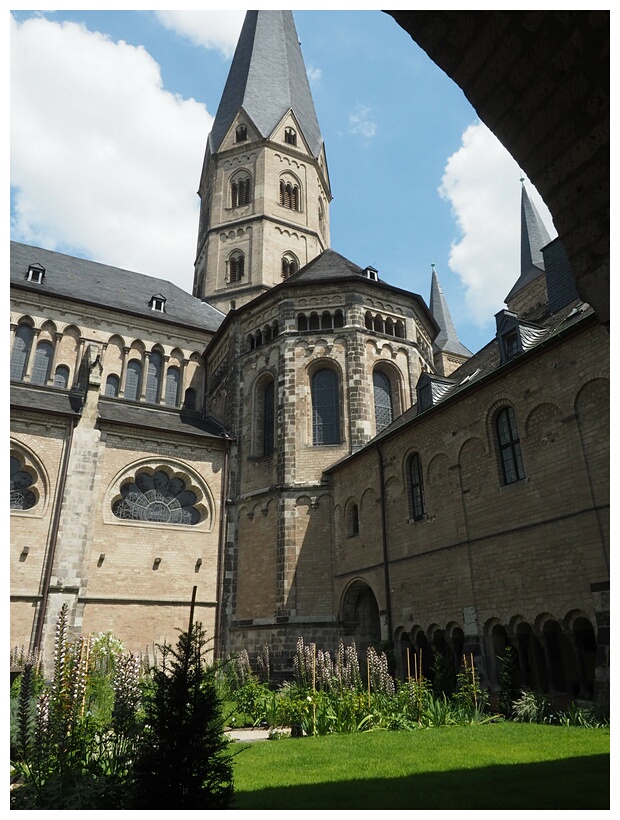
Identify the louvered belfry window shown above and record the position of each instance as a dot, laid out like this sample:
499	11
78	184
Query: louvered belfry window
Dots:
289	195
236	267
240	192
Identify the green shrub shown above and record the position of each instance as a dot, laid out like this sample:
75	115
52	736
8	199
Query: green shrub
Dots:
531	707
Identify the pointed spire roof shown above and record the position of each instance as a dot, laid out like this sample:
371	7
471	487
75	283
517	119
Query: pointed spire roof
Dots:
267	78
447	339
534	237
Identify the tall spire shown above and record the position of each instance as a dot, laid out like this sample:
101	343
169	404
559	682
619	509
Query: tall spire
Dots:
267	78
447	340
534	237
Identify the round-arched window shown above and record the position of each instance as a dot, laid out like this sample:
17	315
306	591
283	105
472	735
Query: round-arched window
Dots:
22	480
157	497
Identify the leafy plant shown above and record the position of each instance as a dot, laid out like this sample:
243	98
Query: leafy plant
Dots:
531	707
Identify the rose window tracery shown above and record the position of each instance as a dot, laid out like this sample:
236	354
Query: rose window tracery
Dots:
22	496
157	497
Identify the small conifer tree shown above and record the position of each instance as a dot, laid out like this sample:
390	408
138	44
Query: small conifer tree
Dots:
183	761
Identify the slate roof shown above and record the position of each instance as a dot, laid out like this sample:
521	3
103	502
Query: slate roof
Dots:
45	400
447	338
116	411
266	78
69	277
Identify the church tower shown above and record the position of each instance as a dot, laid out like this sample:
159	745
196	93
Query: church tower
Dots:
264	188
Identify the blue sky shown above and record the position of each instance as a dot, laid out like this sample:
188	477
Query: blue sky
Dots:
110	112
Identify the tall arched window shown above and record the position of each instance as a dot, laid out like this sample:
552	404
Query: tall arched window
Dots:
236	266
153	378
241	133
416	487
61	376
173	379
240	191
509	446
267	420
21	351
290	136
133	380
42	363
189	402
111	386
382	387
325	407
353	520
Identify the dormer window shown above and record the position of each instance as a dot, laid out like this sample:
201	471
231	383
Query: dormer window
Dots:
371	273
158	303
241	134
35	273
290	136
511	344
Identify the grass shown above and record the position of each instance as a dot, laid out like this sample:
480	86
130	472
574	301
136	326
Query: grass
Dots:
496	766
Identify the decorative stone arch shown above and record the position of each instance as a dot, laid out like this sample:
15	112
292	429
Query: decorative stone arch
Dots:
161	501
543	415
404	653
48	331
33	467
359	614
581	633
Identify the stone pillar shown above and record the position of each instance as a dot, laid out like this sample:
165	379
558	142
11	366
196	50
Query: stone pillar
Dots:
57	339
121	388
33	347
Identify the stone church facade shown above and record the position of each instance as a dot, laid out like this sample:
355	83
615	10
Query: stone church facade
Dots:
311	448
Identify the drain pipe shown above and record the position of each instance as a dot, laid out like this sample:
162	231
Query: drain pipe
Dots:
386	568
51	550
221	552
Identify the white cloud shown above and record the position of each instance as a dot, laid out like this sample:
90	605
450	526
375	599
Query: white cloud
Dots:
480	182
104	161
314	75
361	123
210	29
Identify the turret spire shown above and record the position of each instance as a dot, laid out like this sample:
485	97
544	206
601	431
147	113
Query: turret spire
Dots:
534	237
447	341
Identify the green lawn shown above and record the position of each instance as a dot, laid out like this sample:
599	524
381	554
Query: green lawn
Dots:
495	766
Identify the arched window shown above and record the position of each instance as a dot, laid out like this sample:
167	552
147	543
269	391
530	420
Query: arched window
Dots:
289	266
338	319
189	401
21	351
22	480
236	265
378	323
240	191
158	498
153	378
368	320
173	378
302	321
325	407
509	446
326	320
111	386
353	520
290	136
42	363
133	380
241	133
289	195
265	417
315	322
416	488
382	388
61	376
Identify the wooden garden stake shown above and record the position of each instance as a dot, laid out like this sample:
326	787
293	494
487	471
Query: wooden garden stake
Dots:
408	665
314	689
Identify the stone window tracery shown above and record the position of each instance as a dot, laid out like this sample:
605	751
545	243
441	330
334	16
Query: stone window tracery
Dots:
22	485
325	407
158	497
